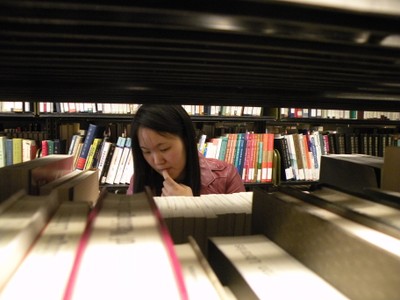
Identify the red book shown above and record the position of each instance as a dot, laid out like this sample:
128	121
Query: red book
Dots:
270	157
45	148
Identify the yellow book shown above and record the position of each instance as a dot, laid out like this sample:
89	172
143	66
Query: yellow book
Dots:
17	150
92	152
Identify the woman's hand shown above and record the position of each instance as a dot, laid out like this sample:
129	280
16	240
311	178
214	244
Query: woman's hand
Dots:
172	188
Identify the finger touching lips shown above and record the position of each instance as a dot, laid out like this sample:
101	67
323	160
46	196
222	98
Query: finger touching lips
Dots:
165	174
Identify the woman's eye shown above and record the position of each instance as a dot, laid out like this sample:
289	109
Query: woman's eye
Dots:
164	149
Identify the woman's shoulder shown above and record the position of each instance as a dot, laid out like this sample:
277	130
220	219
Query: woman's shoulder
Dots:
214	164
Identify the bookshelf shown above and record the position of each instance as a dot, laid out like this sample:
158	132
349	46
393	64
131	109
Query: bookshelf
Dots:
54	125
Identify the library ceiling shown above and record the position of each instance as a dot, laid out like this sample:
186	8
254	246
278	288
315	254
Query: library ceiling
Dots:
266	53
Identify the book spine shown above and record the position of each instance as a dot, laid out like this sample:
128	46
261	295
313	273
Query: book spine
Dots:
270	152
285	162
107	163
90	136
103	153
299	156
264	164
112	172
259	160
17	150
26	150
9	152
45	148
128	171
2	151
121	167
242	152
245	168
51	146
238	150
72	144
57	146
222	152
250	172
92	150
97	153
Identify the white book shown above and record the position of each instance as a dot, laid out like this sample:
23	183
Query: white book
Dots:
18	106
262	270
206	215
200	280
53	254
65	107
292	155
107	108
304	154
128	170
79	186
103	156
128	242
20	224
126	152
210	150
112	171
27	149
2	151
218	145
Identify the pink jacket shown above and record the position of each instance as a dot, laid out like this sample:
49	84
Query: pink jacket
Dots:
217	177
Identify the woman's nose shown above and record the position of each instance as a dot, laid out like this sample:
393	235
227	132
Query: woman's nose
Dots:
158	158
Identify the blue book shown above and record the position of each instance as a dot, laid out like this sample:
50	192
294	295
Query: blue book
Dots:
242	152
92	132
9	151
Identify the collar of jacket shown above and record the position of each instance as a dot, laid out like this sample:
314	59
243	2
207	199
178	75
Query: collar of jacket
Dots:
207	168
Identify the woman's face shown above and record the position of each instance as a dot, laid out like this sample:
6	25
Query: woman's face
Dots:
163	152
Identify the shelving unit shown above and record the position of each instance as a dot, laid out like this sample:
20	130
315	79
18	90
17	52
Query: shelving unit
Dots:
273	53
270	54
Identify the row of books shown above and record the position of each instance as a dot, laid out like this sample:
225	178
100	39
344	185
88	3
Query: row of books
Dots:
221	110
94	150
131	108
251	153
299	154
266	158
67	107
124	108
91	148
237	266
207	110
33	132
360	143
75	234
77	238
123	236
15	106
207	215
105	108
16	150
111	129
286	112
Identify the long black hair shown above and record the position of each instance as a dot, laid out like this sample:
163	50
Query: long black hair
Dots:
172	119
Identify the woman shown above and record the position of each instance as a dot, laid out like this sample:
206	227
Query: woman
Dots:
166	158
